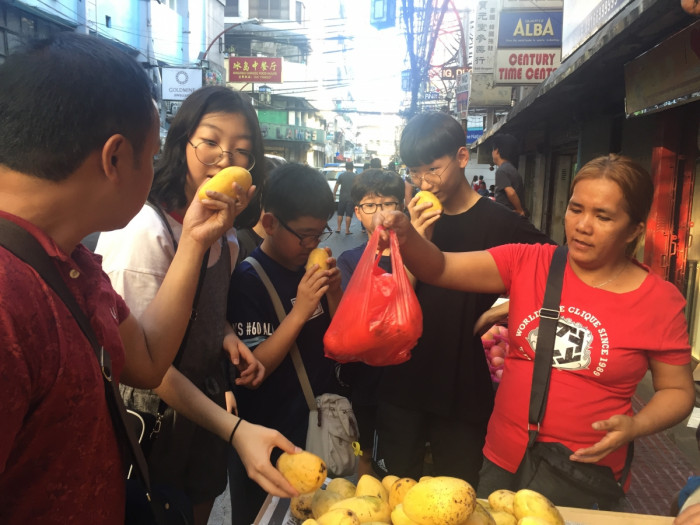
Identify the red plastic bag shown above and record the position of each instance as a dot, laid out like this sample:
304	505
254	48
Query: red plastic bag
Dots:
378	320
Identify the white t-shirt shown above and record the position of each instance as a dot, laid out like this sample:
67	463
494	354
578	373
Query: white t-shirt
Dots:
137	257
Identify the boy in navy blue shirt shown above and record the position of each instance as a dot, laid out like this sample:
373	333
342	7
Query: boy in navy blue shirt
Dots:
297	204
374	189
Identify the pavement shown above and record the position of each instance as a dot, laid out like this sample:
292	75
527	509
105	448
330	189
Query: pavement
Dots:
662	462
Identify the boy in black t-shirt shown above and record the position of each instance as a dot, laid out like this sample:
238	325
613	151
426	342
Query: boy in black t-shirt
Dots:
374	189
443	394
297	204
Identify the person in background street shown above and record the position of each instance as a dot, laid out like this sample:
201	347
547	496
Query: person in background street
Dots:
215	128
70	168
443	394
374	189
619	320
375	163
482	189
345	204
475	183
297	204
510	190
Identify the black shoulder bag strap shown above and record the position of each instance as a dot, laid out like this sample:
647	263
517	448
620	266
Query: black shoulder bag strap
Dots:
23	244
544	353
162	406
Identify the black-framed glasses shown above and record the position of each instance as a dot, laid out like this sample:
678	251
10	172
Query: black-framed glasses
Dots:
210	153
311	240
371	207
431	175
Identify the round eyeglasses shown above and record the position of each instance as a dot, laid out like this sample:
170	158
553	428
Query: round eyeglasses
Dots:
210	153
432	175
308	241
371	207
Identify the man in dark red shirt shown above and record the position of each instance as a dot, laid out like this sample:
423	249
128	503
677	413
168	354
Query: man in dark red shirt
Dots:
78	132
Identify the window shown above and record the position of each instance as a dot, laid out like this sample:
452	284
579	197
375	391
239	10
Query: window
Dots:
231	8
300	12
108	21
273	9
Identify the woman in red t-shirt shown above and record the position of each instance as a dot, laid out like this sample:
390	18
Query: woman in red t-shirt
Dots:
617	319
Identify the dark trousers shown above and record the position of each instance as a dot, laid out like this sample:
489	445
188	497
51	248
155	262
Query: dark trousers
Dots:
401	435
246	496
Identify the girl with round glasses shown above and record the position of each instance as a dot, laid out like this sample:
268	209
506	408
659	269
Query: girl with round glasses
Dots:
215	128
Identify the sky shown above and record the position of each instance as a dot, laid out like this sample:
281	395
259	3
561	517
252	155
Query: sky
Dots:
377	57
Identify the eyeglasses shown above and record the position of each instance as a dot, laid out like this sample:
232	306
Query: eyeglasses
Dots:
210	153
308	241
370	207
431	175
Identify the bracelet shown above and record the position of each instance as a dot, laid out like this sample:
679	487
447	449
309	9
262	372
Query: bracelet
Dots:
230	438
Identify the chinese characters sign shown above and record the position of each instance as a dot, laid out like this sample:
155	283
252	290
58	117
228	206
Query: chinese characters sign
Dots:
485	28
255	69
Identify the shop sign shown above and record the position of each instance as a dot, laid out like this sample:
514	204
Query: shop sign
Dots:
583	18
462	94
665	73
452	72
525	66
255	69
485	93
485	29
532	4
179	83
529	29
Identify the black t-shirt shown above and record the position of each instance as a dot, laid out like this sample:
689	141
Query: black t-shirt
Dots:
447	373
279	402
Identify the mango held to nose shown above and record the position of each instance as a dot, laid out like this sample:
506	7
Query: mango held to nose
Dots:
318	256
223	182
305	471
426	196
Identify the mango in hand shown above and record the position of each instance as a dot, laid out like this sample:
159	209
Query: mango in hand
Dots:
426	196
318	256
305	471
223	182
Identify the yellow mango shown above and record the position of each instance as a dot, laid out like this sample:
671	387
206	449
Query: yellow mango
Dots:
367	508
441	500
300	506
323	500
530	503
223	182
480	516
310	522
388	481
371	486
339	517
317	256
426	196
342	486
501	517
398	516
533	520
502	499
398	491
305	471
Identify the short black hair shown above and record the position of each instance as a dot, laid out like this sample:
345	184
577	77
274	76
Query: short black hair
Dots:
349	166
296	190
378	182
376	162
62	97
507	146
429	136
170	173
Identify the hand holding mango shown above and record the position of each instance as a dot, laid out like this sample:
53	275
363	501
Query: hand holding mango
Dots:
318	256
223	181
426	196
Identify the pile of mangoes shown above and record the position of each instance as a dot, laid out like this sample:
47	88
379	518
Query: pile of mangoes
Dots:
439	500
